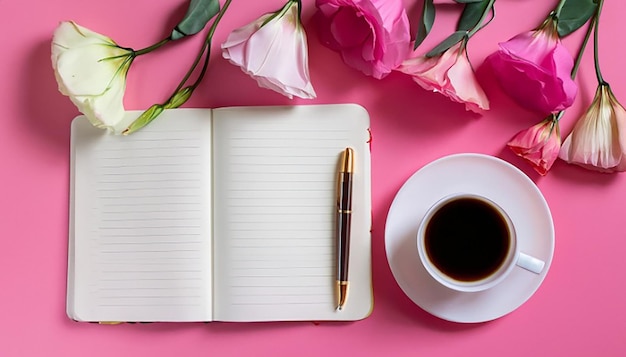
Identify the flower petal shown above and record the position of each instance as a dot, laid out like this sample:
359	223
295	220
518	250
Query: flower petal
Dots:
538	145
273	52
451	74
532	86
533	46
233	49
349	28
105	111
464	88
71	35
534	68
598	139
373	36
91	70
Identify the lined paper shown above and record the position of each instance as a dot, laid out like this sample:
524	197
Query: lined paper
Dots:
142	212
274	189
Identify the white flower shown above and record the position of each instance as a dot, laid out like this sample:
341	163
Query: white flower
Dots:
273	50
91	70
598	140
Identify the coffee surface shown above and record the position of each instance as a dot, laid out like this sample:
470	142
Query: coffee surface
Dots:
467	239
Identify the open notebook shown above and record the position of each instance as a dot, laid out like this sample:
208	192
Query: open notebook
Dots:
217	215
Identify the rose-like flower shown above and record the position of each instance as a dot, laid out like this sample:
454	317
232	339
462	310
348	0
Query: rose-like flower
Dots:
91	70
273	50
372	36
538	145
598	140
450	74
534	69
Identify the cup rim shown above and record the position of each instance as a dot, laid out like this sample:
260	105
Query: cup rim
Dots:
485	283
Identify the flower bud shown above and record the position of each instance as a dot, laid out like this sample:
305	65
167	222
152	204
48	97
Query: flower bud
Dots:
144	119
538	145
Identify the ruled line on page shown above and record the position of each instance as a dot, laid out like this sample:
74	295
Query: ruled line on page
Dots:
149	200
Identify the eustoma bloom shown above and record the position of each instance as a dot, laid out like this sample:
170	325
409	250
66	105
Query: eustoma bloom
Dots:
534	69
91	70
598	140
273	50
450	74
372	36
539	145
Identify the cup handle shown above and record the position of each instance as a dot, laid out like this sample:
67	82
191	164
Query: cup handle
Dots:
529	263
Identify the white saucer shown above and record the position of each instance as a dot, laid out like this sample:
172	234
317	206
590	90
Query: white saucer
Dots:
495	179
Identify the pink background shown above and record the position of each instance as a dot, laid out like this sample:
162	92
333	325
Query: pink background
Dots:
579	310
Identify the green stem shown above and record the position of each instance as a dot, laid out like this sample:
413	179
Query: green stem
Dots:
191	69
579	58
583	46
149	49
556	117
596	60
154	111
480	25
557	10
581	51
299	10
207	42
282	11
206	47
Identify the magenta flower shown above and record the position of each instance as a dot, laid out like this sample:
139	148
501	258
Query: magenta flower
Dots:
372	36
273	50
450	74
598	140
534	69
538	145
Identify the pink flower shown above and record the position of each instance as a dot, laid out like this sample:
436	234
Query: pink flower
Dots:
450	74
539	145
598	140
273	50
534	69
372	36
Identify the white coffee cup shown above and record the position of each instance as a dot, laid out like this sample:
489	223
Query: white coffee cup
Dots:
468	243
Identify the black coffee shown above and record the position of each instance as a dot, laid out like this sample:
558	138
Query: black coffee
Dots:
467	239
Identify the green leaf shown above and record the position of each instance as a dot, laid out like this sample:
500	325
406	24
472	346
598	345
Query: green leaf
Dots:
573	15
467	1
144	119
428	19
197	16
472	14
450	41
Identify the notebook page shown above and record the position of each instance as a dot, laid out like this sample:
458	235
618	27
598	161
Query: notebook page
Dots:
140	248
275	172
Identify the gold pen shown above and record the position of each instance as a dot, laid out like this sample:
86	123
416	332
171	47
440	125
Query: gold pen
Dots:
344	214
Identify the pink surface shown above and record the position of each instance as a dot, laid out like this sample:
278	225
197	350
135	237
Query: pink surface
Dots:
578	311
